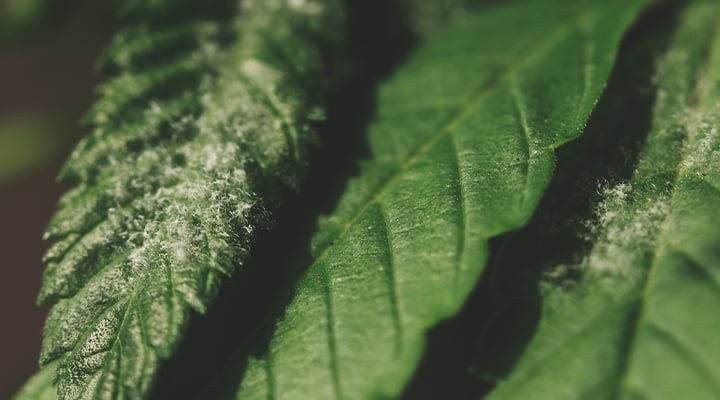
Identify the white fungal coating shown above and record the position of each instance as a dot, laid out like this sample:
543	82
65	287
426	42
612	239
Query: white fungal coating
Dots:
624	233
167	197
628	227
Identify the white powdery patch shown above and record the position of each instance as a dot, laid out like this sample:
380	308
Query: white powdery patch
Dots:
623	234
236	113
195	217
703	143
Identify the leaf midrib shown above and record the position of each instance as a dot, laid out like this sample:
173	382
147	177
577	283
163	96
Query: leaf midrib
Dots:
486	88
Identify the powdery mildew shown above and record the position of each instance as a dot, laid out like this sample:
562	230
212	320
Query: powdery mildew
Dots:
185	160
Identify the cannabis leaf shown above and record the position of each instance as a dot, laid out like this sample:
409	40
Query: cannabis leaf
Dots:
462	151
208	119
639	322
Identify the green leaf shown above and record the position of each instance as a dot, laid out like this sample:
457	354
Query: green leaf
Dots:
39	386
206	123
462	151
635	316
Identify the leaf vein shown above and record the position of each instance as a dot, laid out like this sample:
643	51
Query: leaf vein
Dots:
686	353
391	280
522	118
330	326
463	213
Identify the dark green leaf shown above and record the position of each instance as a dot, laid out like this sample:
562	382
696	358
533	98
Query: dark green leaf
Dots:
462	151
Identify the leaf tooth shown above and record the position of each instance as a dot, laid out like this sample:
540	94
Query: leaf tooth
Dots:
139	47
162	122
82	208
50	350
64	277
103	295
131	90
58	249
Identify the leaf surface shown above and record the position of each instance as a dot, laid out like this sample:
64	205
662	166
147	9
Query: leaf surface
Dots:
206	122
640	321
462	150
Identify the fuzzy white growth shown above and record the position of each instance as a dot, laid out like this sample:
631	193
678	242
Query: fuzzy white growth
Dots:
166	202
625	232
703	143
684	142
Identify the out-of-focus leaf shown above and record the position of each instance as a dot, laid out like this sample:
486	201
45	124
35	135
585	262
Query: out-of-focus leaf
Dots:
29	141
636	316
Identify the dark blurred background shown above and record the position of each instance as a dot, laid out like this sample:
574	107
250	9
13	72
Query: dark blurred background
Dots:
48	50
